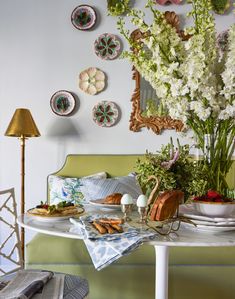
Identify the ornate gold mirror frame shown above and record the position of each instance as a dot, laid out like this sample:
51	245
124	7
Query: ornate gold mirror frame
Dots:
137	119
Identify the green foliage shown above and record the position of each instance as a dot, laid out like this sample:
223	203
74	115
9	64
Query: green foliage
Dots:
117	7
220	6
174	173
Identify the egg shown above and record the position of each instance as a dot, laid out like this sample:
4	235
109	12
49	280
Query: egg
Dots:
141	201
126	199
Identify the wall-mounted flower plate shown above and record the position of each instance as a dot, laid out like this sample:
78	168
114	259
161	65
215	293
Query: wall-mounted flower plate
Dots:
83	17
105	114
63	103
92	80
107	46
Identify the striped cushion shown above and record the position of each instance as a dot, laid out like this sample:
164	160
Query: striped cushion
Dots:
100	188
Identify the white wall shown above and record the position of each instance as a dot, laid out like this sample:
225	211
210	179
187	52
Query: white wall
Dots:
40	53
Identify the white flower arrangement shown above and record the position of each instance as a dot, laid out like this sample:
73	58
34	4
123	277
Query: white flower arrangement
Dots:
193	80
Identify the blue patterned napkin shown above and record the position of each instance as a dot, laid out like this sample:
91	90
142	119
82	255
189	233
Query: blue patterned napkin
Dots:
106	249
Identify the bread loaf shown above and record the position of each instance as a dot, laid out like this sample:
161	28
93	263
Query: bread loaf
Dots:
113	199
166	205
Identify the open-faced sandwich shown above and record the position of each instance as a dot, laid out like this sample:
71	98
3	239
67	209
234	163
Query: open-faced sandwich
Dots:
62	209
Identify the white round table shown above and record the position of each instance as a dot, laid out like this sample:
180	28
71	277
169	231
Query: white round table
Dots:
183	237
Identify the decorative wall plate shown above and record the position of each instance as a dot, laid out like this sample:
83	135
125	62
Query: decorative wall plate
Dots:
92	80
105	114
83	17
107	46
62	103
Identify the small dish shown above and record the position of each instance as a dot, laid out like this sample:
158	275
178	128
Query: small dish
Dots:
105	114
97	203
215	209
107	46
83	17
209	228
62	103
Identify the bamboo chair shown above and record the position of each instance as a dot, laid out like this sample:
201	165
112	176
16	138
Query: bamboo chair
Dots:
10	245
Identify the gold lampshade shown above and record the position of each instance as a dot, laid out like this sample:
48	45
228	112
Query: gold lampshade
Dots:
22	124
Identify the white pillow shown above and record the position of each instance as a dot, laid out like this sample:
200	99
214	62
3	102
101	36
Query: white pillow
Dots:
69	189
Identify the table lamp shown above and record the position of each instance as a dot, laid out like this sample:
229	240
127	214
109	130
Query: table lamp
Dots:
22	126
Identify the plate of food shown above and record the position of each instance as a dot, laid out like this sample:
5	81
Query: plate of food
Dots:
112	201
59	212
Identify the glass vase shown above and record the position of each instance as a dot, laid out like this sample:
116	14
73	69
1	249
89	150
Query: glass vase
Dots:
217	160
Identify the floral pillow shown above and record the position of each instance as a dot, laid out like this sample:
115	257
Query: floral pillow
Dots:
70	189
100	188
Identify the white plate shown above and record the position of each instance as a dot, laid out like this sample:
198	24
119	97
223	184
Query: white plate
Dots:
210	223
209	228
104	206
52	218
190	212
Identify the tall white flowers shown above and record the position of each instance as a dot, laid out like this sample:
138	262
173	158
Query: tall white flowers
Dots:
185	73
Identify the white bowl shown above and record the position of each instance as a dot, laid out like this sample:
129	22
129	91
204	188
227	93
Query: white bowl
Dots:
215	209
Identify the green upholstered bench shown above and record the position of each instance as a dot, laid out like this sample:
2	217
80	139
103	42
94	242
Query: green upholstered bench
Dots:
205	273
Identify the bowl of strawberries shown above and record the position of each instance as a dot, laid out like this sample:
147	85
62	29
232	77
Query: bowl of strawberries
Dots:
213	204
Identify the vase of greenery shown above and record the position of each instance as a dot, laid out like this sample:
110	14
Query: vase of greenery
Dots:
193	79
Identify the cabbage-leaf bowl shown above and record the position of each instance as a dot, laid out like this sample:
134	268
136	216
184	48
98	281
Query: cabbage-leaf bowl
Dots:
215	205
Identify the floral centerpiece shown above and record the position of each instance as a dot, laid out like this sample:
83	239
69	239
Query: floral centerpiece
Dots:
193	79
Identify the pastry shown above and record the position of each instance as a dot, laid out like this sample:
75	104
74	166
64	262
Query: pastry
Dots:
117	227
111	220
101	229
113	199
106	225
109	228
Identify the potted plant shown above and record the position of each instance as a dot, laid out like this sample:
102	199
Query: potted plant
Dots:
175	169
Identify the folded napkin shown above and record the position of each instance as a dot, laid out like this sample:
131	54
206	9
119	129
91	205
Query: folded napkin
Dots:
105	249
25	284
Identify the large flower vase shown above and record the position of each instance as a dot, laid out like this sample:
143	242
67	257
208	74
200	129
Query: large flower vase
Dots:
217	160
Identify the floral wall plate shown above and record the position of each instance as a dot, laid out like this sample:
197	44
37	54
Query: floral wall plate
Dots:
105	114
92	80
62	103
107	46
83	17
